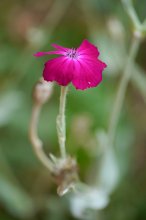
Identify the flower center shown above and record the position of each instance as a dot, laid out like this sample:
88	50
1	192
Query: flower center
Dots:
72	53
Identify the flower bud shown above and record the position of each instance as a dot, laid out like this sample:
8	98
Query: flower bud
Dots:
42	91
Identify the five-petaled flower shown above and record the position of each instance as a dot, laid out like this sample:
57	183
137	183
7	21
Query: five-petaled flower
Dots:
80	66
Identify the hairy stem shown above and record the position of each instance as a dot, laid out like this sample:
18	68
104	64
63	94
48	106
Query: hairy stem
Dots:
122	89
60	121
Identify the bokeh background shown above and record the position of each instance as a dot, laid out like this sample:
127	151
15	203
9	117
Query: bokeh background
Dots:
26	190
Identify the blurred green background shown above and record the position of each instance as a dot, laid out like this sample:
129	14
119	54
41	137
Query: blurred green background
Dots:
28	26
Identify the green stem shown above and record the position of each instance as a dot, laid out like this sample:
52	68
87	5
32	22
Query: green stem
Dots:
60	122
122	89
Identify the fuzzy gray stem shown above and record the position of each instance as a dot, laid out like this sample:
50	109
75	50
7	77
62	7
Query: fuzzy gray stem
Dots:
60	121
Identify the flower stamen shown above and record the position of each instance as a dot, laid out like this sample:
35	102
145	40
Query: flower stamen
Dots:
72	53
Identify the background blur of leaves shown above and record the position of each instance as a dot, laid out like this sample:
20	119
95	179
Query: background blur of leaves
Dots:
26	190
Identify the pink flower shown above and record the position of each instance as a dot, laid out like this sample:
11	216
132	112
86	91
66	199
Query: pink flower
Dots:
80	66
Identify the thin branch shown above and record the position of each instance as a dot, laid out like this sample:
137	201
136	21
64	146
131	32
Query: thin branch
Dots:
128	5
42	92
122	89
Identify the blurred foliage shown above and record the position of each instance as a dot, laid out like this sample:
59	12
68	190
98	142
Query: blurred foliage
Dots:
26	189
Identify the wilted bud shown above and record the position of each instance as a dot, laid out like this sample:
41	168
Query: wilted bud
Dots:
115	28
35	36
42	91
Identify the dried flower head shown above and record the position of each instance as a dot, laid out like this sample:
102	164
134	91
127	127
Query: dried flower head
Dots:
65	173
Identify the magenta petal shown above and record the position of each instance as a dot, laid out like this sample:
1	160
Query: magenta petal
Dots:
60	70
40	54
88	74
86	48
60	48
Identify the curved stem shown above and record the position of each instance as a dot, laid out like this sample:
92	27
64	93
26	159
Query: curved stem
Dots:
122	89
36	142
60	121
